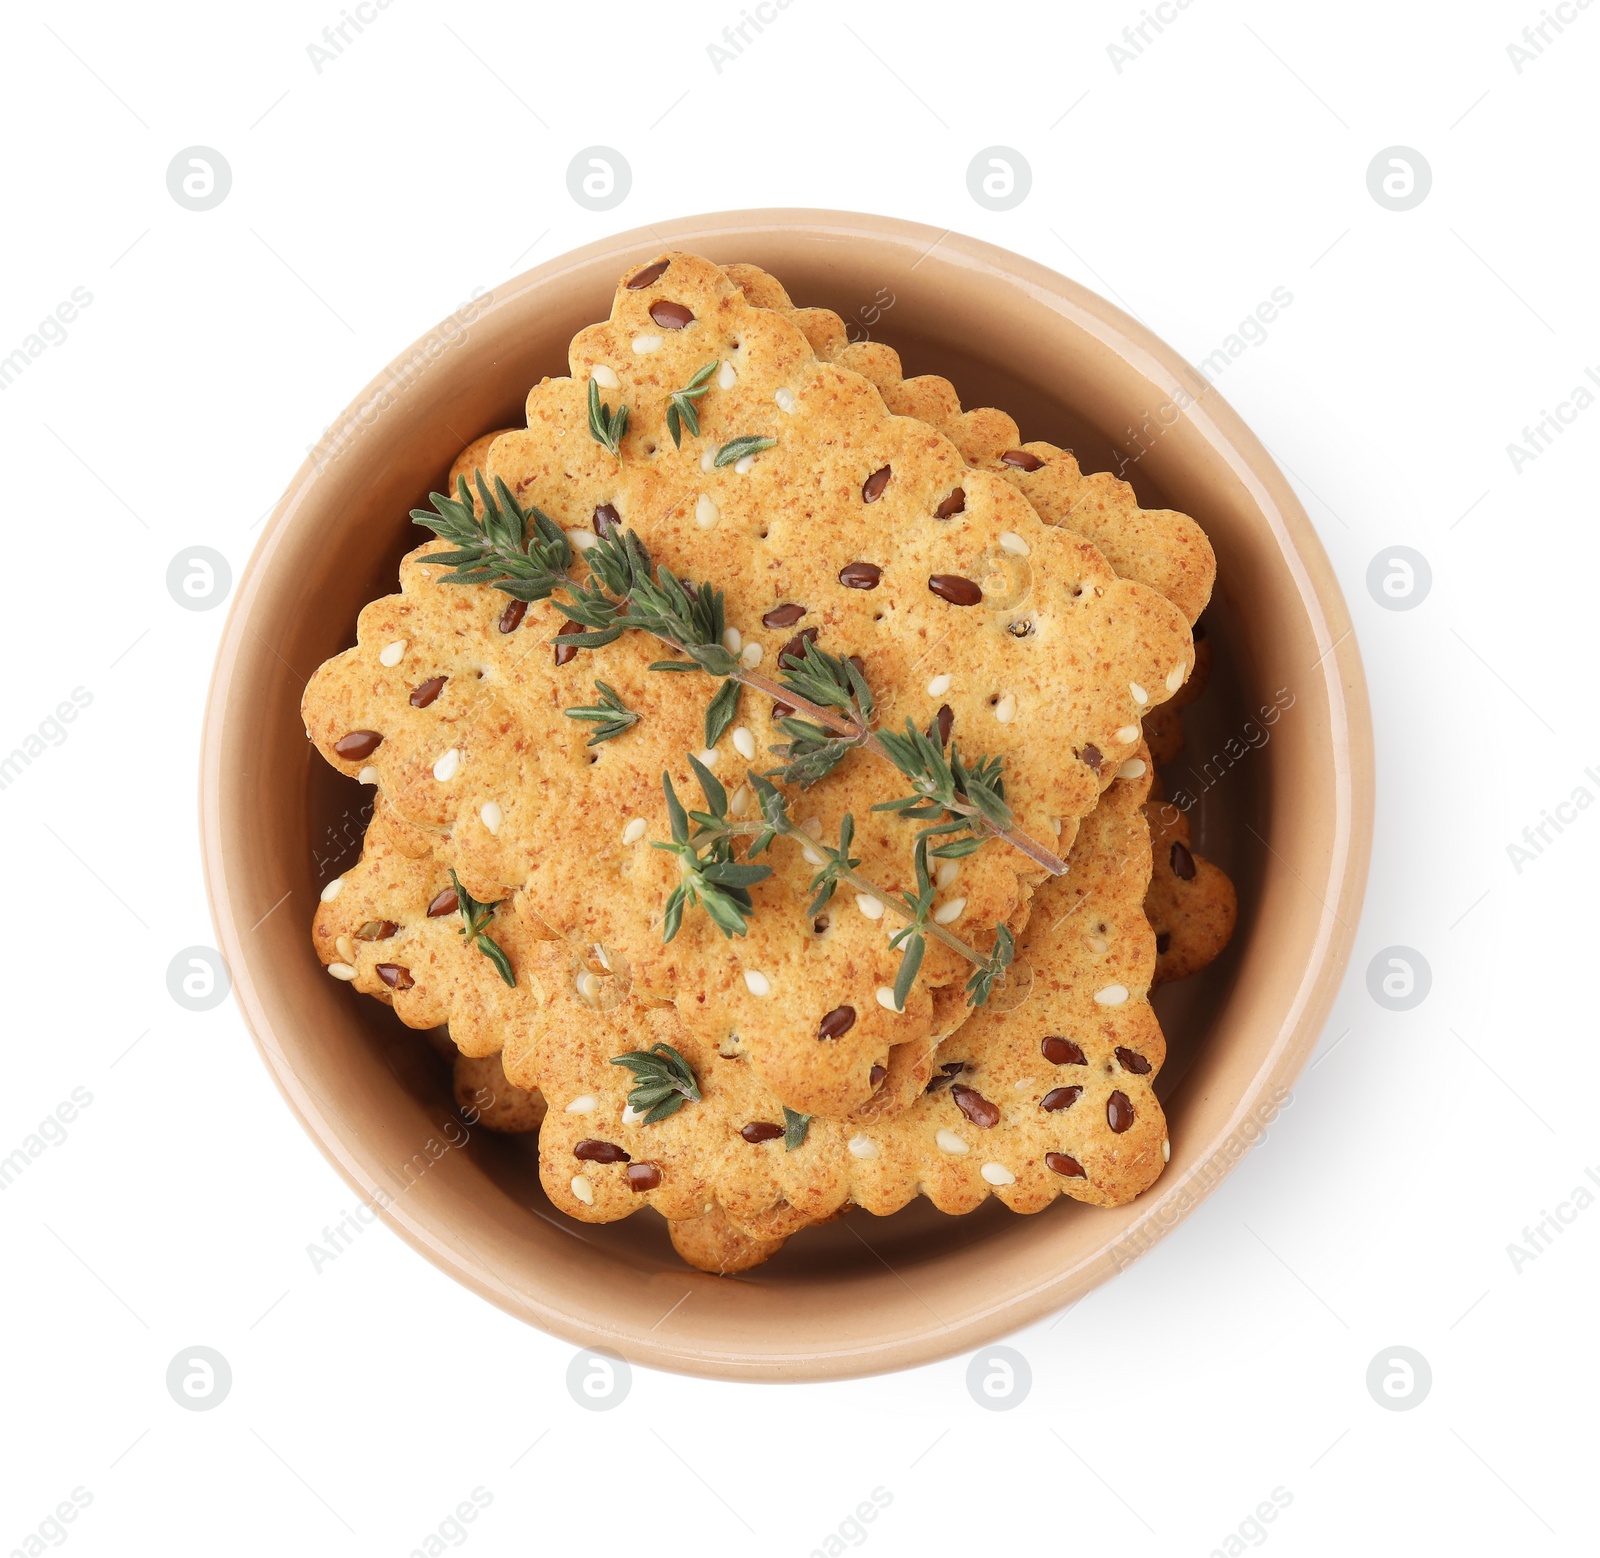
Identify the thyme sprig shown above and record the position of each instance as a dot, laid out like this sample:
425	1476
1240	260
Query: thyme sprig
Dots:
525	554
737	448
663	1082
714	878
611	716
711	876
606	427
476	918
681	410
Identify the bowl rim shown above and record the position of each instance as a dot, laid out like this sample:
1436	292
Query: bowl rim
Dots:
1348	733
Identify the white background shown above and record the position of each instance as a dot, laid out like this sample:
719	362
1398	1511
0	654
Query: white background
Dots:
429	158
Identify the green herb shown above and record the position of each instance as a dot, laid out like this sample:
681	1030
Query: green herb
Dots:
722	710
497	550
795	1127
943	784
606	426
663	1082
611	715
476	918
987	974
828	681
681	410
738	448
711	876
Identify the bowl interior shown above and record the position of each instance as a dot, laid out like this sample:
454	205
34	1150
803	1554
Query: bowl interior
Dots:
1288	819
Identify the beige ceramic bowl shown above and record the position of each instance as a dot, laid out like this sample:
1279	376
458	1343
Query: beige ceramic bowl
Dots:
1291	818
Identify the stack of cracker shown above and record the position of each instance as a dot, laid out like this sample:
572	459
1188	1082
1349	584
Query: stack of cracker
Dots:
717	981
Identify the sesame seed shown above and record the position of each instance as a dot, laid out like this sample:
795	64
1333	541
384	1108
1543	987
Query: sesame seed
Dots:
605	377
1112	995
1175	677
582	540
1139	694
333	889
709	756
368	775
812	857
490	815
584	1103
950	1142
602	957
756	982
886	1000
706	513
744	466
341	971
1011	542
785	399
1128	733
750	655
646	343
582	1189
1096	943
630	1115
634	831
948	872
706	460
346	949
390	653
939	686
998	1174
870	906
1006	709
1166	1150
739	801
947	912
1132	769
863	1147
445	769
732	640
726	376
1055	826
743	742
588	986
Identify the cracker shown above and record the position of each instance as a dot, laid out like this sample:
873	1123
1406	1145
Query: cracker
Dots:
482	1093
1067	668
1092	953
1192	904
1159	547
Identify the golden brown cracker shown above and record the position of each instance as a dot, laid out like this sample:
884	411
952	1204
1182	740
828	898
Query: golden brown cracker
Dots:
486	757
